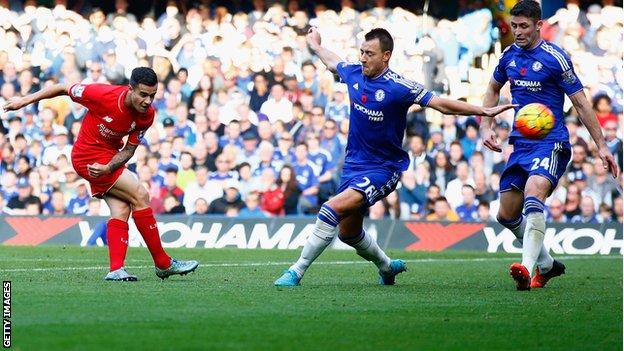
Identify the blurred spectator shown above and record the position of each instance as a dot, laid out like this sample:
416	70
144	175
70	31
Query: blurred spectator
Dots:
200	189
170	186
307	181
555	212
588	213
172	205
604	110
467	210
483	212
572	202
277	107
454	188
252	207
18	202
79	204
442	211
230	199
288	184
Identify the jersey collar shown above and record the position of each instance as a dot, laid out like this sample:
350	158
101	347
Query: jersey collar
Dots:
379	76
121	99
541	41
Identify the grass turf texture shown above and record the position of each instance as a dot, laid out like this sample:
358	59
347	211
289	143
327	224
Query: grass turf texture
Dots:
459	300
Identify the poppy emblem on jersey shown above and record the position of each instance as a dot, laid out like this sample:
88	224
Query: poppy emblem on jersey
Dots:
380	95
363	98
523	71
536	66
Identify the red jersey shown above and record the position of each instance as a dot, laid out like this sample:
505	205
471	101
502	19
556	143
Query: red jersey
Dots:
103	130
108	120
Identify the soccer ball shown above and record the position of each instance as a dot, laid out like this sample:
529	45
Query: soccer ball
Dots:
534	121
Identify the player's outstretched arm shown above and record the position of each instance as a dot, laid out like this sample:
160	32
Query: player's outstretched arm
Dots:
330	59
492	94
588	118
455	107
17	102
120	159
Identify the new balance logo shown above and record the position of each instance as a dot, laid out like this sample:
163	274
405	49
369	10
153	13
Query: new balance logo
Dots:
512	63
107	119
356	86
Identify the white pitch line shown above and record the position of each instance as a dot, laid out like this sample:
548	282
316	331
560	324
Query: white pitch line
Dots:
260	264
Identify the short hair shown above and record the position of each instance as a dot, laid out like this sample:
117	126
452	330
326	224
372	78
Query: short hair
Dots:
143	75
468	186
527	8
385	39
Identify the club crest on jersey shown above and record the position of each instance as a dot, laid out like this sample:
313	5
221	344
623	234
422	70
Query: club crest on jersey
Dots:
536	66
77	90
380	95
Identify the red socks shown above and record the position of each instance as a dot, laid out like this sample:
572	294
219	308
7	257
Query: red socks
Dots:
146	223
117	237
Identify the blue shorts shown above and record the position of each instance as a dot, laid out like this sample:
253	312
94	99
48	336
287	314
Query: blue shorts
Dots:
546	159
374	184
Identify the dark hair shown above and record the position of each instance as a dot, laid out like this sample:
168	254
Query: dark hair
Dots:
308	63
527	8
484	204
291	186
595	100
385	39
143	75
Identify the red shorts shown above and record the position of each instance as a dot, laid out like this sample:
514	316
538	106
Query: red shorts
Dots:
83	156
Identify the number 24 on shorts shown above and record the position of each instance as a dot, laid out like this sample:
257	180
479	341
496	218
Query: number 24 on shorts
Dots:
545	163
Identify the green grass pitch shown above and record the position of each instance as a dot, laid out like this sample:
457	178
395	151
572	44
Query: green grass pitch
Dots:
446	301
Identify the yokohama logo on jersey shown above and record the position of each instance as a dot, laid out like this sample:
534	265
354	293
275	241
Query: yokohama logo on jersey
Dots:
532	85
373	115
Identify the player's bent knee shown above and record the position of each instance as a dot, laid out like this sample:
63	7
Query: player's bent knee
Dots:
120	211
142	198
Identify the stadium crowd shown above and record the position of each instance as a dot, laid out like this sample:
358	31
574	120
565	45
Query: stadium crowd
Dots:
250	124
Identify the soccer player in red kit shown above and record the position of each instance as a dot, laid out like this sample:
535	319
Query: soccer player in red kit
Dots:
100	154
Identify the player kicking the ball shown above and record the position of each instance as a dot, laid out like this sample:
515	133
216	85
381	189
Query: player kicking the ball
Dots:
374	157
538	72
99	155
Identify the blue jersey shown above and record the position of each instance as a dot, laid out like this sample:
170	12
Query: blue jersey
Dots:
543	74
378	117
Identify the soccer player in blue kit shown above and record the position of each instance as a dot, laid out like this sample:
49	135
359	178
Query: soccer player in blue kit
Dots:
538	72
374	156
